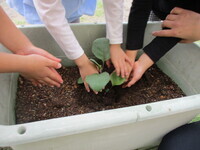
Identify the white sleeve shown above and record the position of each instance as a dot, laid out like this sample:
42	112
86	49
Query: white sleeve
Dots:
52	13
114	20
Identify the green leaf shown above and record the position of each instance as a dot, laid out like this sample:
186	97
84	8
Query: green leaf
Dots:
97	82
80	81
116	80
97	64
100	49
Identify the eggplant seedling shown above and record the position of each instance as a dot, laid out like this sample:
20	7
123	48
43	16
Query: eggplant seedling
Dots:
98	82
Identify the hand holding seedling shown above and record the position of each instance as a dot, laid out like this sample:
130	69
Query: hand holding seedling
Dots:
98	82
132	56
86	67
140	66
120	61
38	69
183	24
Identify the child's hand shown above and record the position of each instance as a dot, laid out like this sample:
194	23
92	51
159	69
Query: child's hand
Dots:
86	67
86	70
139	68
120	60
132	55
39	69
35	50
38	51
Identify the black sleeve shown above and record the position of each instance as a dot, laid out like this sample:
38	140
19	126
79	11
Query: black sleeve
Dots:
159	47
138	18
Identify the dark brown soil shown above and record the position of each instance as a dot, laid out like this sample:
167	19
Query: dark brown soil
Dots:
34	103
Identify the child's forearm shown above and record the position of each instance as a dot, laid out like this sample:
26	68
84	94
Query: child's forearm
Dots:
10	36
12	63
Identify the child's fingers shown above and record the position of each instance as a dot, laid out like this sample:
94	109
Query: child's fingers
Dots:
128	64
41	82
108	63
87	87
127	59
117	69
35	83
54	75
51	82
123	69
54	64
130	68
53	58
48	55
133	81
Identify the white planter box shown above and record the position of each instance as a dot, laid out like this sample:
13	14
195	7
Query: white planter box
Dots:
118	129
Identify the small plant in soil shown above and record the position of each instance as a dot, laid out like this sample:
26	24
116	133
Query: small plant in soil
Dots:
98	82
40	103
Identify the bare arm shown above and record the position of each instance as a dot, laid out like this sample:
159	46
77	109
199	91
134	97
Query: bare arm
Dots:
11	62
114	27
33	67
52	13
16	41
10	36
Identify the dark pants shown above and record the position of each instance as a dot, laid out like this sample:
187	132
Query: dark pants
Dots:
186	137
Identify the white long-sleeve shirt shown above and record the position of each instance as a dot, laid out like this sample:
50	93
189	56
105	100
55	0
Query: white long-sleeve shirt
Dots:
52	13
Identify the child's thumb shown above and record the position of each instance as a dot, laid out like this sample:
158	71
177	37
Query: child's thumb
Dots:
55	64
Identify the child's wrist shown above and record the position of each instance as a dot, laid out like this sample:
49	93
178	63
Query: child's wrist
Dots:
146	61
115	45
82	61
19	64
24	50
23	64
131	54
